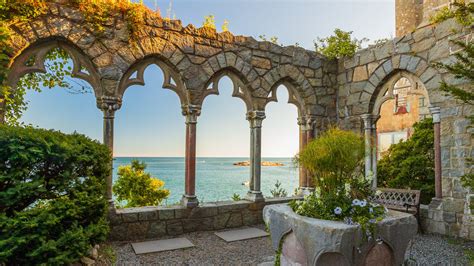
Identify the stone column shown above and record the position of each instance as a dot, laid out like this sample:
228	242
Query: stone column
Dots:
2	111
303	186
255	118
310	121
191	112
370	136
436	114
109	105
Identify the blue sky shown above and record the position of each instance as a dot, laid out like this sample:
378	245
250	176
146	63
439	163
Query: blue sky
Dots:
150	121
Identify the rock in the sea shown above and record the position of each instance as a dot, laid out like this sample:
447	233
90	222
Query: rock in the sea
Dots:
247	163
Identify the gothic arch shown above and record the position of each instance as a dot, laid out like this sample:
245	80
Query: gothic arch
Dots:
36	53
172	79
415	68
240	87
294	96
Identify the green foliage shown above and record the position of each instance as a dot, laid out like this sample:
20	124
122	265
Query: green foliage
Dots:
209	22
461	11
138	188
236	197
52	196
278	191
273	39
334	159
339	45
462	68
410	164
58	64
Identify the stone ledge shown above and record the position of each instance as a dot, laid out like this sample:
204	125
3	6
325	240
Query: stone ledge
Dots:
153	222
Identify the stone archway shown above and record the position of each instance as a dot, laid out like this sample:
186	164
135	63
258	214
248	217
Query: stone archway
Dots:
383	82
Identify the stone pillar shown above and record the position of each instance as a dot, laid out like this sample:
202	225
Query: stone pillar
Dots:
310	121
255	118
370	136
109	105
436	114
2	111
303	180
191	112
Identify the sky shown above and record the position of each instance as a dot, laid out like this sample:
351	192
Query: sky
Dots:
150	121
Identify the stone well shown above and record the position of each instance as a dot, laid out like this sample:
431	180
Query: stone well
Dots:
308	241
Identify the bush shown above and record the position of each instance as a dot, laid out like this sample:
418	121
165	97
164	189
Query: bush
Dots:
342	193
136	188
334	159
52	196
410	164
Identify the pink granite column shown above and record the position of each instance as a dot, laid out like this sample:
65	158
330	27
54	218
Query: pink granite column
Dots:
189	198
436	114
309	137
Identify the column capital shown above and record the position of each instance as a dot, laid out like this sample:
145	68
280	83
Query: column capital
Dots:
435	113
255	118
109	105
191	112
369	120
306	122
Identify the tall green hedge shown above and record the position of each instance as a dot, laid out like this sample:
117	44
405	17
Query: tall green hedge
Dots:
410	163
52	196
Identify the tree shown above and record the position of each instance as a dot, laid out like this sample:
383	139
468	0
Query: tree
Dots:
339	45
137	188
410	164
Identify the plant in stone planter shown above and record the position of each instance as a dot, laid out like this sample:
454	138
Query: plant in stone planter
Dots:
336	224
335	161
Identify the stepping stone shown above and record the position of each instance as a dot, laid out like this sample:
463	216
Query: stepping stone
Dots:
161	245
241	234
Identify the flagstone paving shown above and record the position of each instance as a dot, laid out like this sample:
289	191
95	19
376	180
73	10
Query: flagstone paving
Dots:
209	249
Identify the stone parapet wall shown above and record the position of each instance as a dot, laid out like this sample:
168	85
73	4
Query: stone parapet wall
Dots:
153	222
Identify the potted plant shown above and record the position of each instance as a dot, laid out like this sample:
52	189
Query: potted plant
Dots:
337	224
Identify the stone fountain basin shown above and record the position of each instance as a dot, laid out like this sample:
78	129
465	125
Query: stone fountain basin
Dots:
308	241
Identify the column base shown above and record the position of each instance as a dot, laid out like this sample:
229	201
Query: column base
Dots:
189	201
303	191
436	203
255	196
111	204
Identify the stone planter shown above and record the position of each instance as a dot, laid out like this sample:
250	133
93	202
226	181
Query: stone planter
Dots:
309	241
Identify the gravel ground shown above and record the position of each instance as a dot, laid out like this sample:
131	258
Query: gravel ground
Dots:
438	250
211	250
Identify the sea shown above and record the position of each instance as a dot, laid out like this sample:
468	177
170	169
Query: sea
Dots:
217	179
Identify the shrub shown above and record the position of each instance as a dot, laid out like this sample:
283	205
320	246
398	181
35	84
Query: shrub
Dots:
338	45
410	164
236	197
333	159
278	191
137	188
342	193
52	196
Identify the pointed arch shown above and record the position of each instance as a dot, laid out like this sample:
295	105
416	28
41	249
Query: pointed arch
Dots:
414	68
240	89
172	79
32	60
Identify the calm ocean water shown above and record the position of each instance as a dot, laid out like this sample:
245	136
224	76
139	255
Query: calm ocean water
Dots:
217	179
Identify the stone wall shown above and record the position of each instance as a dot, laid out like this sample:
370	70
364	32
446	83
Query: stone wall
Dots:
153	222
361	81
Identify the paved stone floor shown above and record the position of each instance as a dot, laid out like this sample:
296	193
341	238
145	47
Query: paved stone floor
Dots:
211	250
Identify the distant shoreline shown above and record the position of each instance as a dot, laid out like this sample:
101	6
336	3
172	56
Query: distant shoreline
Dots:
247	163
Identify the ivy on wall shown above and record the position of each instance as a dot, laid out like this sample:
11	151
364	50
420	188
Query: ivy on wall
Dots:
97	14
